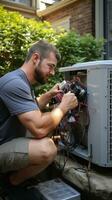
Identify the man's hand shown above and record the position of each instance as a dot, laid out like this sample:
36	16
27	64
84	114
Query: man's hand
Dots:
55	90
44	99
69	101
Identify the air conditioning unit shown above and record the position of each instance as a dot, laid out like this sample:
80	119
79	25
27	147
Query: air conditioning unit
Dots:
97	77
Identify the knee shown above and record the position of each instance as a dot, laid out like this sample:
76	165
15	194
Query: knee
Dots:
50	150
42	151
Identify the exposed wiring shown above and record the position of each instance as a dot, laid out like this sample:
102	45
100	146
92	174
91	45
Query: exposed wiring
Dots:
69	129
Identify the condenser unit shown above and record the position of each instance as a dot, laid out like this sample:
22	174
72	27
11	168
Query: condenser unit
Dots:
96	143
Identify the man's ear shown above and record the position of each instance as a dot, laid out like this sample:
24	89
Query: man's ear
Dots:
36	58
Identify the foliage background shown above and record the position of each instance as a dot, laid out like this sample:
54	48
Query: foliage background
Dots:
75	48
18	33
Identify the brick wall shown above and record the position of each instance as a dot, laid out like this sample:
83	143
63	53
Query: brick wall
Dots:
81	16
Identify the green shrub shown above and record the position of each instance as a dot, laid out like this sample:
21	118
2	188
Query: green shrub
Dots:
16	35
75	48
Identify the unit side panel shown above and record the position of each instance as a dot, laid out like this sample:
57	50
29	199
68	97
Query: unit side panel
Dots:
97	103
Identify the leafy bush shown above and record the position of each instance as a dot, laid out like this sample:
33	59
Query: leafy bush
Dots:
75	48
16	35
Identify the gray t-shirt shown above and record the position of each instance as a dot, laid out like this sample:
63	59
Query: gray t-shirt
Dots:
15	98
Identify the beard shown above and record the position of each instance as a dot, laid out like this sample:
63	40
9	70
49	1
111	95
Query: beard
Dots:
40	78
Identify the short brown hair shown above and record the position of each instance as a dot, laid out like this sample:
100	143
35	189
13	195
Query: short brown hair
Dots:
43	48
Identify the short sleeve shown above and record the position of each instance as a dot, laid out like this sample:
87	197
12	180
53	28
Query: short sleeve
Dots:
16	94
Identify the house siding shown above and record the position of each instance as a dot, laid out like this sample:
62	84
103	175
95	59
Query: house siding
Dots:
81	15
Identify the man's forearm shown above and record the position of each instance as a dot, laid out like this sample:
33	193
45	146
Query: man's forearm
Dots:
49	121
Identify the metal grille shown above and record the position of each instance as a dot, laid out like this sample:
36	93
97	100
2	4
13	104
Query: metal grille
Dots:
109	106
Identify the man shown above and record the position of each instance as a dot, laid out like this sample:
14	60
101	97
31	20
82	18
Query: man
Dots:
19	111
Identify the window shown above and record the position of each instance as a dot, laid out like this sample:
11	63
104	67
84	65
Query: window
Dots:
24	2
48	1
103	24
108	28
